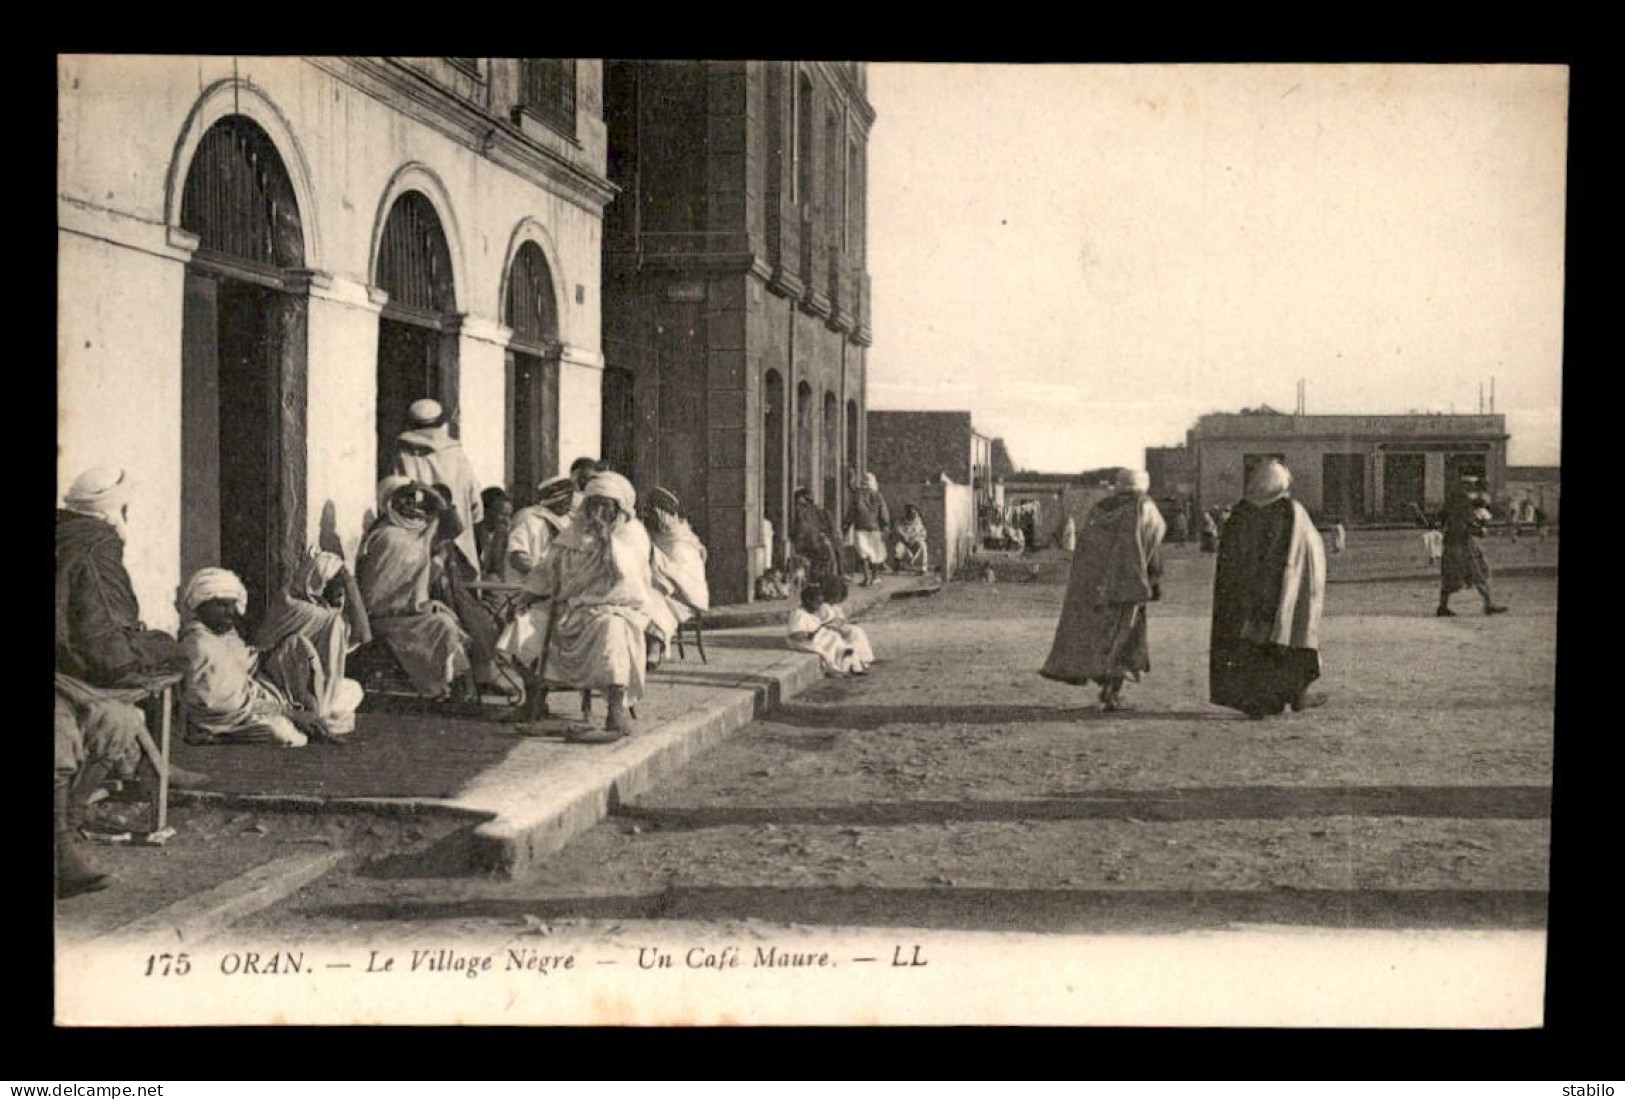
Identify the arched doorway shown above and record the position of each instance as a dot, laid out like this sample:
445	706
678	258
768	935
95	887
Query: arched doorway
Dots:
773	449
832	453
806	473
531	310
242	362
416	357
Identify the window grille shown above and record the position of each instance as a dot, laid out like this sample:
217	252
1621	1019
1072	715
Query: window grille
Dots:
238	198
530	304
547	89
414	262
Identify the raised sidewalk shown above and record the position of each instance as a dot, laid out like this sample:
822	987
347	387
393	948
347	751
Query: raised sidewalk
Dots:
524	791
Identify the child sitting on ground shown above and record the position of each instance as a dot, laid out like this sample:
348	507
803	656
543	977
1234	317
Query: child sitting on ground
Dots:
818	627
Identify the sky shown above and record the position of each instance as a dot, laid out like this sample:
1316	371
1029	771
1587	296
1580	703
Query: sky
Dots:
1089	257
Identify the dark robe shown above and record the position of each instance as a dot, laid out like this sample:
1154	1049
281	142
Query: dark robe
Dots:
100	638
1463	565
816	538
1246	672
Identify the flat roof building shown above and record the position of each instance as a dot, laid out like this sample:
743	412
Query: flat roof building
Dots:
1355	468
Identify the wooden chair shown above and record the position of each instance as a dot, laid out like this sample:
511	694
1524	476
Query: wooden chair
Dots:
695	624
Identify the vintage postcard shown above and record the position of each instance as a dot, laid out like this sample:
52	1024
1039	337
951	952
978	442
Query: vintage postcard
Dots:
583	541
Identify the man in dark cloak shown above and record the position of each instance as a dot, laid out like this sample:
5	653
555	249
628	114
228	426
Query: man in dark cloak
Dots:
1268	591
1463	564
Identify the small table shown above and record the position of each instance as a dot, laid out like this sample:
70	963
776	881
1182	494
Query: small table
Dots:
505	594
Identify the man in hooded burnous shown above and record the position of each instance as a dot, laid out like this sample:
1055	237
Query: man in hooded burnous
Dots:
430	456
1116	569
677	566
1269	587
590	599
104	656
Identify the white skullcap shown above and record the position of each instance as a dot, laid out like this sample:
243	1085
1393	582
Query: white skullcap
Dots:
97	489
425	413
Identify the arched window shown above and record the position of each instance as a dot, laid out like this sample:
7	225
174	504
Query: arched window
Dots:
239	200
832	451
415	358
531	311
414	261
773	446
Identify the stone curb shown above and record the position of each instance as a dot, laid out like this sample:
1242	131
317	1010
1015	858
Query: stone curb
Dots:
201	915
514	843
859	600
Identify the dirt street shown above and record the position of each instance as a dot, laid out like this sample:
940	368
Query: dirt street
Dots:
953	787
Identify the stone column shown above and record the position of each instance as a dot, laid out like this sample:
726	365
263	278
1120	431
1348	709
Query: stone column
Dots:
734	426
121	285
1376	505
341	428
482	362
1433	486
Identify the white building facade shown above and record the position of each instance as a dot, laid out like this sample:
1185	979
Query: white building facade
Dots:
262	261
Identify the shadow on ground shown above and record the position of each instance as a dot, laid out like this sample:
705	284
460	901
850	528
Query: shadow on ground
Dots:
960	909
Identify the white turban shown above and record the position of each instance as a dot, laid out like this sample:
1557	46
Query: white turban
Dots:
101	491
612	486
1133	480
207	584
871	482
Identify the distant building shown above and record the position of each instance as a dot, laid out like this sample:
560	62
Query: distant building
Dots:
1059	497
1172	470
939	462
1356	468
1540	485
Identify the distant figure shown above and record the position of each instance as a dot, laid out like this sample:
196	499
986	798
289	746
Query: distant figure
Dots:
429	455
1268	591
909	541
1029	528
1101	636
1432	544
1069	535
1179	527
1340	537
1210	531
867	519
1540	523
1463	564
816	627
814	536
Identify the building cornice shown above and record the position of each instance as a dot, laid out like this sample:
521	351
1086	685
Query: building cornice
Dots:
496	138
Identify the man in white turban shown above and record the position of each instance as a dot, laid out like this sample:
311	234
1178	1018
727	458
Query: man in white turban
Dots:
678	566
1116	570
590	602
429	455
1269	587
228	699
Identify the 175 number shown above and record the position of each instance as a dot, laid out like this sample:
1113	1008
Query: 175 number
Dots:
168	965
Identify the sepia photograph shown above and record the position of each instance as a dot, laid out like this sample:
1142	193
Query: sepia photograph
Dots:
595	542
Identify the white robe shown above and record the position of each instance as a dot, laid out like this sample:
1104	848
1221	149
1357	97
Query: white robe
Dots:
431	456
678	578
533	531
843	647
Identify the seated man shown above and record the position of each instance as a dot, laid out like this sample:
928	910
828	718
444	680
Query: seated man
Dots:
491	532
678	566
105	656
321	605
590	602
394	573
535	527
232	694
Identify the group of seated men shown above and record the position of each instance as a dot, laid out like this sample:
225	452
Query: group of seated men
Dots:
603	595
